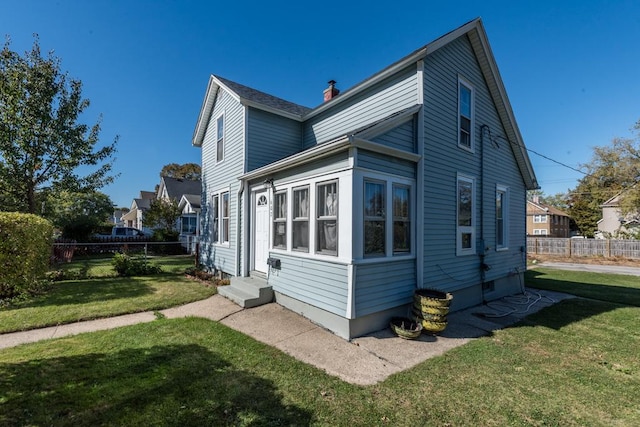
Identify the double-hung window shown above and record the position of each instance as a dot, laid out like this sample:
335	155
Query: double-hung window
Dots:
465	115
327	218
220	139
374	218
401	219
539	219
224	213
215	218
502	225
280	220
465	239
301	219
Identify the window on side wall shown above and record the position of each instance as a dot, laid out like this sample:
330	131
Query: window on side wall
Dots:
189	224
215	215
465	115
301	219
280	220
220	139
401	219
502	216
374	218
465	240
224	211
327	218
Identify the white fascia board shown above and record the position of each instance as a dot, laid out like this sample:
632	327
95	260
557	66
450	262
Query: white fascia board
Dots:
205	112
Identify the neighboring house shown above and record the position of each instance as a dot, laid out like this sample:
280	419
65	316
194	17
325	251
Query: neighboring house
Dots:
414	178
176	189
189	220
116	219
135	217
616	225
544	220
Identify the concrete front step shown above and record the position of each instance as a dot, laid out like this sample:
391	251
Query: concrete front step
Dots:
247	292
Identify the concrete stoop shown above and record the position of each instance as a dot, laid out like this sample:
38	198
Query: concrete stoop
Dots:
247	292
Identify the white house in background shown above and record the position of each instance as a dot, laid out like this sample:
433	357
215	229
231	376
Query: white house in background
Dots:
189	220
135	217
616	225
414	178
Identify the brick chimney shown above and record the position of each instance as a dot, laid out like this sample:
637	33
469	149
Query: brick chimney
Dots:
331	92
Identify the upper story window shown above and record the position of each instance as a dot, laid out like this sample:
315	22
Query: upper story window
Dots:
465	115
374	218
465	216
301	219
280	220
220	139
539	219
502	217
327	218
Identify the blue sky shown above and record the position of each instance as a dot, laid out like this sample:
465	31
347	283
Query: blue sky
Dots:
570	67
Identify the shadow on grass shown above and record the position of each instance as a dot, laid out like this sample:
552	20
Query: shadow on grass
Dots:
93	290
160	385
594	290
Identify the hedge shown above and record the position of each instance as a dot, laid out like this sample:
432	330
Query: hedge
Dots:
25	249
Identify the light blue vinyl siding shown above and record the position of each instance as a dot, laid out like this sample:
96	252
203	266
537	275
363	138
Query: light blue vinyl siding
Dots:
321	284
383	99
444	160
403	137
216	178
385	163
271	138
335	162
384	285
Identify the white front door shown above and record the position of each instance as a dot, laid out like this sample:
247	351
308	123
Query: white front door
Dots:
261	232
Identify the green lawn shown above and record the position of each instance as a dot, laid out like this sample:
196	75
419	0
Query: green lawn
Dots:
572	364
103	295
616	288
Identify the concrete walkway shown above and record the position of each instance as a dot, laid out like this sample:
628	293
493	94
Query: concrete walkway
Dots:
365	360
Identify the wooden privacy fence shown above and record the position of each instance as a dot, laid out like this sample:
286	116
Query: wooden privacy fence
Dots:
583	247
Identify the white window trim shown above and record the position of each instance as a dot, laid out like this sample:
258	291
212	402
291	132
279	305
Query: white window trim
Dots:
460	251
540	218
540	232
290	228
219	195
383	218
468	85
224	132
280	220
390	181
505	218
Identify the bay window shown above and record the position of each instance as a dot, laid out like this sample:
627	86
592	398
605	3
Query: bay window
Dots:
401	219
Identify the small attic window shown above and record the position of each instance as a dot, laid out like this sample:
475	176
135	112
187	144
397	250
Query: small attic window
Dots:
220	139
465	115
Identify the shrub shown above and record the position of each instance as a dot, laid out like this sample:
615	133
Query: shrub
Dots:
25	249
124	265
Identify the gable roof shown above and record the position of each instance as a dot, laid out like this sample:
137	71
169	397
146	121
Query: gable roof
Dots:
176	187
473	29
533	208
192	200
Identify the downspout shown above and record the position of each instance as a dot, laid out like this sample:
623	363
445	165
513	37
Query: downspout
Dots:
483	266
239	228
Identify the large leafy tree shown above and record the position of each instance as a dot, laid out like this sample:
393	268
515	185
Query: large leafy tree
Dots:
77	215
162	215
42	143
614	169
190	171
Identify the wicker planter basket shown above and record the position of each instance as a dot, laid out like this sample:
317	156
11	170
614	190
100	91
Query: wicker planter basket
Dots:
405	327
430	308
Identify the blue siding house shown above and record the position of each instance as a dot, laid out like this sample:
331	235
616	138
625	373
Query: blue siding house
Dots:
414	178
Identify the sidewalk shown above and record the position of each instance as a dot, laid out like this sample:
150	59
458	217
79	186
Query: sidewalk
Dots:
365	360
